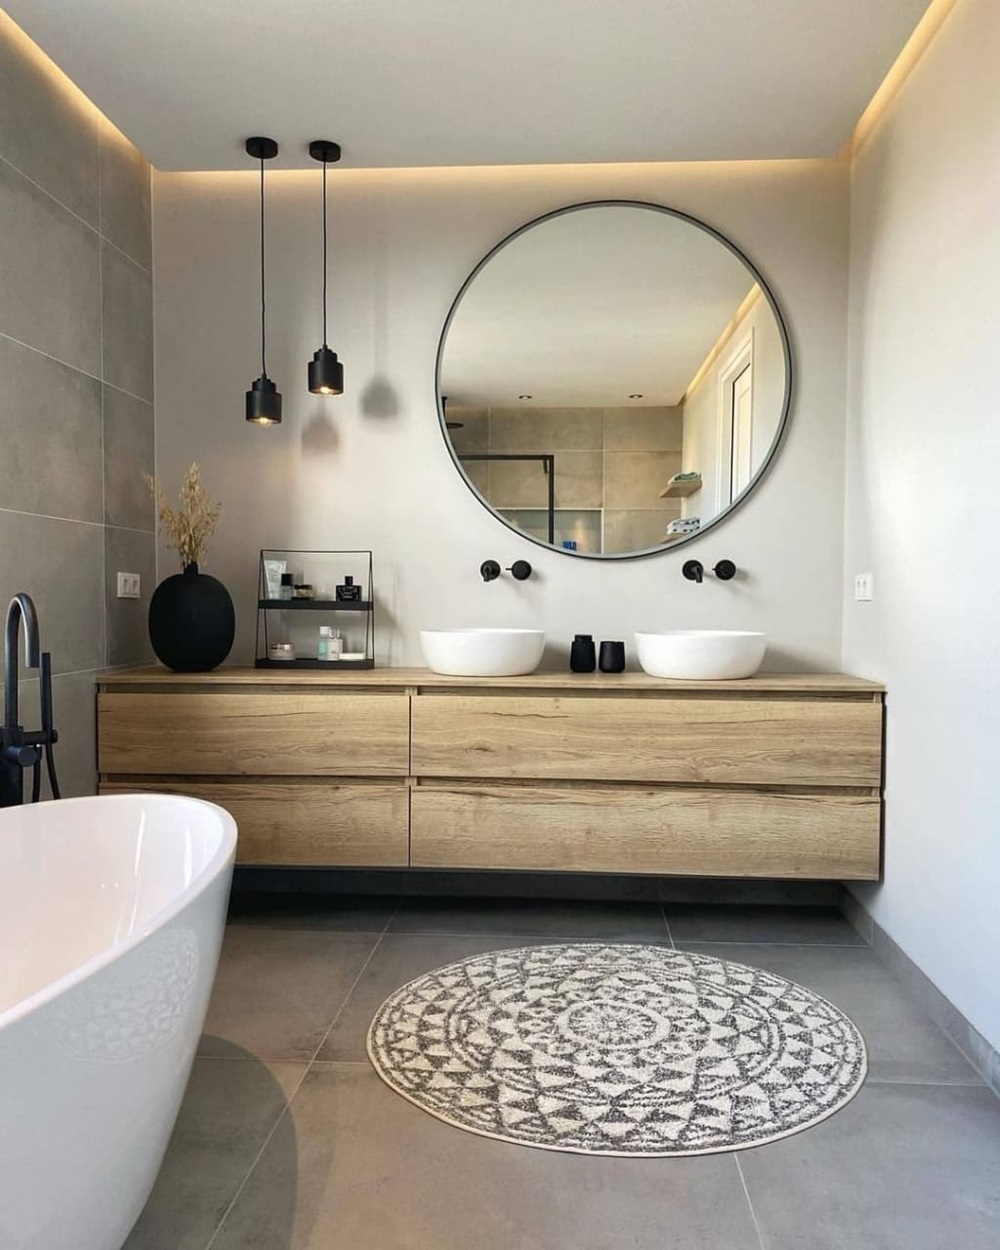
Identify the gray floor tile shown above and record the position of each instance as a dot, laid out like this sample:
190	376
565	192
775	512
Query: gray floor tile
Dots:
399	958
693	922
335	912
903	1043
365	1168
230	1107
578	919
277	991
902	1167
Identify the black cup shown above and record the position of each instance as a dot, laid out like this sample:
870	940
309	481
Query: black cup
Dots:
612	658
582	654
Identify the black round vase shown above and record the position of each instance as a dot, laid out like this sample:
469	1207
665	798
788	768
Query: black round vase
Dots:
192	622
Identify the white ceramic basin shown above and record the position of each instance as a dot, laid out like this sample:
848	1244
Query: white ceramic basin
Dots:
701	654
482	652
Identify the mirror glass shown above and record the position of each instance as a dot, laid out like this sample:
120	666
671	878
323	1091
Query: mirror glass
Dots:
613	378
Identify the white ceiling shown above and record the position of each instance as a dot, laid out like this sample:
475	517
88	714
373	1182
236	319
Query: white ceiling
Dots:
476	82
589	307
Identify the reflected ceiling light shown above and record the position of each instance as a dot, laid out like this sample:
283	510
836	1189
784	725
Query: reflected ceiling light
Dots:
526	397
263	398
635	397
326	373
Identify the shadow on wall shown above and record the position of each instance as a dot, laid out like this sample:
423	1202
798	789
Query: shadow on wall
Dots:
320	436
233	1102
379	399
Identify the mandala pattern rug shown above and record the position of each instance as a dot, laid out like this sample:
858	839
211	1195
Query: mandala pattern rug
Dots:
617	1050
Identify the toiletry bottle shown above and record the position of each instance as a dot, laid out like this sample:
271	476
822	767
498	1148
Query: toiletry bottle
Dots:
582	654
323	645
285	591
336	646
347	592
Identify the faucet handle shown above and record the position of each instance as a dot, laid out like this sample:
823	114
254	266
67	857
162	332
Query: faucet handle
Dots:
693	570
489	570
520	570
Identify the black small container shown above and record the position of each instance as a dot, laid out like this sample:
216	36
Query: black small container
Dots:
347	592
583	654
612	657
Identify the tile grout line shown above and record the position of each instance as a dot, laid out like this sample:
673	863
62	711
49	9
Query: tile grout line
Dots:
66	364
298	1085
746	1194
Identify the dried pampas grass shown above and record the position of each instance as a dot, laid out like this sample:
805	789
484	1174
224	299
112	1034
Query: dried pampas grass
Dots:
192	524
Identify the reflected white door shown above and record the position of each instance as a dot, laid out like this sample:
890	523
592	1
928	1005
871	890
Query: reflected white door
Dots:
742	428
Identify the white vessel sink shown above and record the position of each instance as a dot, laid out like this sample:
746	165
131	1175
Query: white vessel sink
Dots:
701	654
482	652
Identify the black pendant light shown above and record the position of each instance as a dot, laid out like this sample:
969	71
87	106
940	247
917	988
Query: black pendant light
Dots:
326	373
263	398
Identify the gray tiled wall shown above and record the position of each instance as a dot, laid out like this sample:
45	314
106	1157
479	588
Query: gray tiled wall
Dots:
76	375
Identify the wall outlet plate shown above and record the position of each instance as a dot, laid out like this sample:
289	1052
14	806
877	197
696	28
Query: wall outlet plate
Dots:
863	586
128	585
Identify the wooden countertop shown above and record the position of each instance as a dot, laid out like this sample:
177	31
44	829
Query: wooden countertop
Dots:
424	679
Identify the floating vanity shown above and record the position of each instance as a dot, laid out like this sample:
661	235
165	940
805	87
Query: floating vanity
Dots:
778	775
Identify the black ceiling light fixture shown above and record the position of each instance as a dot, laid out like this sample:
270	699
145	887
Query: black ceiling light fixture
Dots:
263	398
326	373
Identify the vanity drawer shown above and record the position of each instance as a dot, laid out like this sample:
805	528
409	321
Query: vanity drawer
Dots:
705	833
308	734
356	824
832	742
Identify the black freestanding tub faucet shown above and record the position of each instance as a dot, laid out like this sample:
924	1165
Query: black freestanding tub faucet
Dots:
20	749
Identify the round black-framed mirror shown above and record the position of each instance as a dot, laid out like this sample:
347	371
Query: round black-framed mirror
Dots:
614	378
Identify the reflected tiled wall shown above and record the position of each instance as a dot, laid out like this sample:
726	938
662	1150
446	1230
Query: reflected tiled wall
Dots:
616	459
76	368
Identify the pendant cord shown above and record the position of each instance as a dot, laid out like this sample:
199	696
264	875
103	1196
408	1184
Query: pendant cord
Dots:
263	331
324	253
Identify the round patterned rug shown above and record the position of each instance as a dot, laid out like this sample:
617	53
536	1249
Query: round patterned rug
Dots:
617	1050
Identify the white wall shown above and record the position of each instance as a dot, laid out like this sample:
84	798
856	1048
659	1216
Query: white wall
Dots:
924	451
371	469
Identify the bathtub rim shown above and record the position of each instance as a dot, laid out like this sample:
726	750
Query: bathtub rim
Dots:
220	862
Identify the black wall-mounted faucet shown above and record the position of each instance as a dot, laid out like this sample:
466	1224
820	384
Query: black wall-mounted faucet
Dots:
520	570
489	570
694	570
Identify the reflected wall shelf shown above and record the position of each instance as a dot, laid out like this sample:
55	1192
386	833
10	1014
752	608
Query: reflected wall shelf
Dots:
675	489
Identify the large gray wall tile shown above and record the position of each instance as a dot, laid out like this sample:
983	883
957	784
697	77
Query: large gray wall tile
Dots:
129	551
546	429
128	454
48	132
60	564
643	429
51	461
50	262
74	705
125	196
634	479
128	324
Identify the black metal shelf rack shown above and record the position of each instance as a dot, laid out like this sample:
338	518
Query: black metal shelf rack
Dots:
270	611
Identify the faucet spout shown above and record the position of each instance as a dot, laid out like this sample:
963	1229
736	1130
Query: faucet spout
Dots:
20	611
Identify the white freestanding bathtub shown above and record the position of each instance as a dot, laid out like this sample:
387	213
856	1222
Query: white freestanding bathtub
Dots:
111	918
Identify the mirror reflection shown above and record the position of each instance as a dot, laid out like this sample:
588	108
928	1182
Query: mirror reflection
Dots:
613	379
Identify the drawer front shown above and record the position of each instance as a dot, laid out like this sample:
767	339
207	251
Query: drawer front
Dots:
359	735
305	825
631	830
739	741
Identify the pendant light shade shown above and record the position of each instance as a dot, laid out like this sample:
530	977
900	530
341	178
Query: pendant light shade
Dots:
326	373
263	401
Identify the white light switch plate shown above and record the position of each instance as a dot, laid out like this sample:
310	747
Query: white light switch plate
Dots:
863	585
128	585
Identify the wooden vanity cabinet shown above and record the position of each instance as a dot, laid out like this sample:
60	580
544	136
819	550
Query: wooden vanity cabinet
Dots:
776	776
